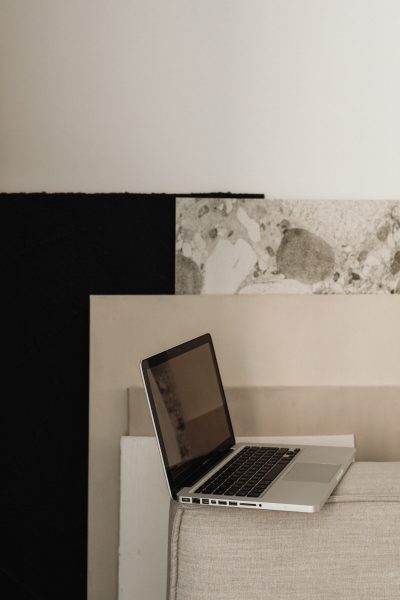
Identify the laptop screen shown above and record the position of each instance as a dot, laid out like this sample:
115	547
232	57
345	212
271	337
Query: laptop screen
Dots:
189	408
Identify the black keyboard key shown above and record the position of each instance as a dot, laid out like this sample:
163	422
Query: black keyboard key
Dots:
259	488
282	451
274	472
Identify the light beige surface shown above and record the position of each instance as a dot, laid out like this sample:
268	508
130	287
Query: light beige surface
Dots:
288	98
260	341
350	550
305	411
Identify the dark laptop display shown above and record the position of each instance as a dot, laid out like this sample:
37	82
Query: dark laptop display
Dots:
189	409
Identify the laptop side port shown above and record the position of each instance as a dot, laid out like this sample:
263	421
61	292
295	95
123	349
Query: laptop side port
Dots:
185	499
223	502
213	502
205	501
195	500
232	503
248	504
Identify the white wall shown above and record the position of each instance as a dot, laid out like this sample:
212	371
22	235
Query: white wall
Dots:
293	98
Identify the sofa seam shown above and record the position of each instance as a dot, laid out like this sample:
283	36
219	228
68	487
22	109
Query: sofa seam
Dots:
175	553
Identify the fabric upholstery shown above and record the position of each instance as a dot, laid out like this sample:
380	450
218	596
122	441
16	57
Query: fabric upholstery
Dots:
350	550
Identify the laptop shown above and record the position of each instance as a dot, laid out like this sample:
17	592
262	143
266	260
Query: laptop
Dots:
203	463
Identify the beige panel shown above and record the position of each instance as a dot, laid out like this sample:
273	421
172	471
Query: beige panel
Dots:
305	411
260	341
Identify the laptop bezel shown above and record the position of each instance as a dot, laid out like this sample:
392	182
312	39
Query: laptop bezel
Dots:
176	483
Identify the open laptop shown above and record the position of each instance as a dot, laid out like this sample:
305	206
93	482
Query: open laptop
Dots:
203	463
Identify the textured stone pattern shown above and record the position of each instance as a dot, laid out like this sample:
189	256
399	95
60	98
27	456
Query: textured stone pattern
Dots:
261	246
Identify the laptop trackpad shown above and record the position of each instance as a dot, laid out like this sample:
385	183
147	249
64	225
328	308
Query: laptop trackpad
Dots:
312	472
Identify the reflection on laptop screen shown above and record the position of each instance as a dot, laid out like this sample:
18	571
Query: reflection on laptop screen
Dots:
189	405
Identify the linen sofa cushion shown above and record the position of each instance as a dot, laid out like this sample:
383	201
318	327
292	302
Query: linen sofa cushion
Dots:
350	550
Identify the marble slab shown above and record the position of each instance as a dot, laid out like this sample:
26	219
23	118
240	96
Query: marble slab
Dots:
261	246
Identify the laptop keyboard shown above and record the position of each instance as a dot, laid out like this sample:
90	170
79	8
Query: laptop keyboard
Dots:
249	472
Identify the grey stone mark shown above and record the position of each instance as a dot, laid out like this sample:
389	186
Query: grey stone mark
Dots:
303	256
188	277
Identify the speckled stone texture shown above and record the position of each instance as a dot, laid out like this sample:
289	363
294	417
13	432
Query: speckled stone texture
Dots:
261	246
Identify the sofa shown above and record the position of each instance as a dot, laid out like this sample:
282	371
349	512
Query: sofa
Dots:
350	550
